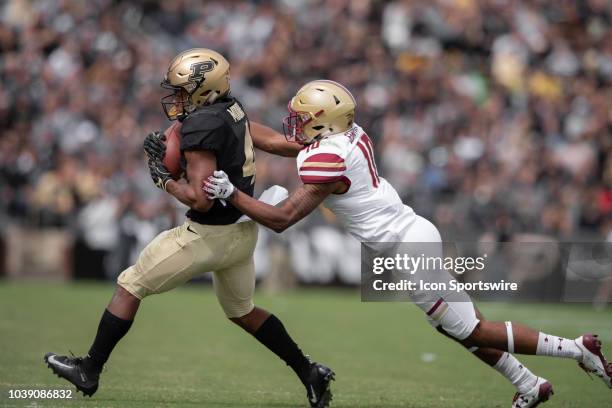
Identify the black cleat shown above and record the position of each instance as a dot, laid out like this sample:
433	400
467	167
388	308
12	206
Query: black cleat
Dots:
317	383
73	370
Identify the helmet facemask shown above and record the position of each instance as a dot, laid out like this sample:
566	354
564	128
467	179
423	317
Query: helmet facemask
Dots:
293	126
176	104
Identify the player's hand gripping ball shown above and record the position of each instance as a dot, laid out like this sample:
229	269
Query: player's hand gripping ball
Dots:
154	146
166	149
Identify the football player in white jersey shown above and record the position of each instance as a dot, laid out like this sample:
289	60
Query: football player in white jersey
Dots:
337	168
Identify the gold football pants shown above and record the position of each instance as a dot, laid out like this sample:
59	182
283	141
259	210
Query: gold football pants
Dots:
177	255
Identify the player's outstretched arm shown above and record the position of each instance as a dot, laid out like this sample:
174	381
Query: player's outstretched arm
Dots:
269	140
200	165
299	204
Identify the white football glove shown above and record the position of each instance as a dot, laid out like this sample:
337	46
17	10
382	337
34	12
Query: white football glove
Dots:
219	186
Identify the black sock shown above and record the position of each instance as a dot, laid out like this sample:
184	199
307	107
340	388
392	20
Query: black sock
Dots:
273	335
110	330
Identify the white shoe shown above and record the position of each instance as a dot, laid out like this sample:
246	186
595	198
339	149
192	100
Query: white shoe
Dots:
541	392
593	360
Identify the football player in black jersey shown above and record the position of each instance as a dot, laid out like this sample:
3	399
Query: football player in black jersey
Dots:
215	135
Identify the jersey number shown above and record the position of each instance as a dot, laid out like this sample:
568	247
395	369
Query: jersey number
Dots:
366	147
248	168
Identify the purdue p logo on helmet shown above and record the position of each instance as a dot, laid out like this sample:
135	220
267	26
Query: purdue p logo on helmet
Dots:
199	68
196	77
318	109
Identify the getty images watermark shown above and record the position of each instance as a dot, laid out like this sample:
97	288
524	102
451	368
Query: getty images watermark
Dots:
528	271
403	264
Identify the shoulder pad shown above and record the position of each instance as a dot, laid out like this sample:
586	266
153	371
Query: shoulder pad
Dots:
337	143
321	162
203	120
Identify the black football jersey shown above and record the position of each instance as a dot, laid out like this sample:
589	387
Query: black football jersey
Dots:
222	128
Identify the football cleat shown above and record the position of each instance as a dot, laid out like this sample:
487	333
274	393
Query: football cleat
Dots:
593	360
541	392
73	370
317	383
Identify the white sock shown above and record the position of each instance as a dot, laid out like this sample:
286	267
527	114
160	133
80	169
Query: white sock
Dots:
555	346
516	373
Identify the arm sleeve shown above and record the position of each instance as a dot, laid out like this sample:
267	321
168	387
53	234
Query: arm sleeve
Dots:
321	168
203	132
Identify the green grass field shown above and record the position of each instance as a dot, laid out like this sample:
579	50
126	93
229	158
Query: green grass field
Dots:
182	352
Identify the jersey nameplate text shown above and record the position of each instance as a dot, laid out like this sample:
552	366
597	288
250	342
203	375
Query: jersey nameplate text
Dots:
236	112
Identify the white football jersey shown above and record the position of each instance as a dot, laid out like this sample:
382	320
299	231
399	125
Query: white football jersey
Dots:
371	210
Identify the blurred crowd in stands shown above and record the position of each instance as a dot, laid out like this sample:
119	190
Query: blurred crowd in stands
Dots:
493	118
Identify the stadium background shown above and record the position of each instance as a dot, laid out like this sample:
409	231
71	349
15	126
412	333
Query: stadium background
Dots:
492	118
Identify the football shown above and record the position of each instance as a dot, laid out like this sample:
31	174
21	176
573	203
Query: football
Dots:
172	159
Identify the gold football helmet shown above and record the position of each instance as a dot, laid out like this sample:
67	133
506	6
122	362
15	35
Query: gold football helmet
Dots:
320	108
196	77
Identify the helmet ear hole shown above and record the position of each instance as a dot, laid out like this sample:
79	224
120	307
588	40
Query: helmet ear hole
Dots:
205	97
350	117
